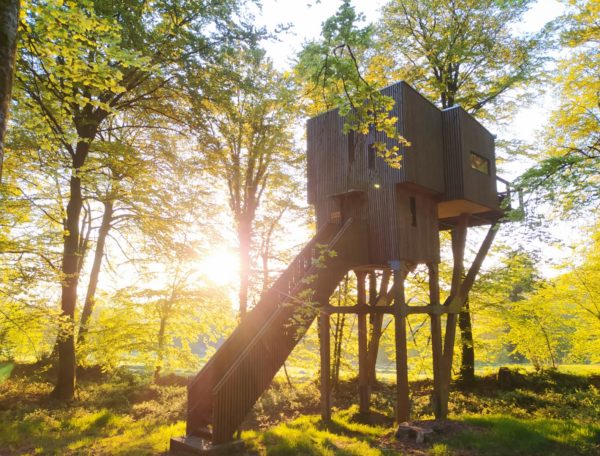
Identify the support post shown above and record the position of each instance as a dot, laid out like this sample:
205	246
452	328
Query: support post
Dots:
324	339
402	388
436	337
459	239
363	374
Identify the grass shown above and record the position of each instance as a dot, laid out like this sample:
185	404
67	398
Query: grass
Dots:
117	416
555	413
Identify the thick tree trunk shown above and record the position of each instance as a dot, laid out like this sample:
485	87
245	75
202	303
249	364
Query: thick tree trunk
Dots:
245	239
88	306
9	20
467	368
65	382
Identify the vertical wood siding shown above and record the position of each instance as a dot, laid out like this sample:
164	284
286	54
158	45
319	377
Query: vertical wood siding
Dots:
463	135
453	160
437	164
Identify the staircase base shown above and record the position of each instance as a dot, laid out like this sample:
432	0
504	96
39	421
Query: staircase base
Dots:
198	445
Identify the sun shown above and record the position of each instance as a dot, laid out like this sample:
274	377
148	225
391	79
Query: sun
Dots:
220	267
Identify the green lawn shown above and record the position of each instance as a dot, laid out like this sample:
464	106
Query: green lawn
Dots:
551	414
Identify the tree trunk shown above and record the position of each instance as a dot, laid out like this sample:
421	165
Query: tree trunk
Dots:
337	350
88	307
245	239
338	336
65	382
376	328
161	346
467	368
9	20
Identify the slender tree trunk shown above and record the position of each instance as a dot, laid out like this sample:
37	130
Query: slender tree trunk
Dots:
337	350
88	306
161	347
9	20
376	321
467	368
245	239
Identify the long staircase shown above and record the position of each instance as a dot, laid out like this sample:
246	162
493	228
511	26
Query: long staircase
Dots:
224	391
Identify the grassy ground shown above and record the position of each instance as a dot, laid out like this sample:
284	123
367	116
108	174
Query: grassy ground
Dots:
550	414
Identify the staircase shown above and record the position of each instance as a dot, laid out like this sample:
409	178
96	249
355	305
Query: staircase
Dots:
224	391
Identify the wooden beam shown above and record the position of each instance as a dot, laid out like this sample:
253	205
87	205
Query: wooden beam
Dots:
325	339
358	310
363	377
402	388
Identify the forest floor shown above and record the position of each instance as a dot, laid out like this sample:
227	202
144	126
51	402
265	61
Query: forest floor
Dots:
554	413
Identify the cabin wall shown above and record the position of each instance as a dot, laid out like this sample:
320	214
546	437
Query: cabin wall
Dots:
417	225
422	126
327	156
383	225
462	136
479	187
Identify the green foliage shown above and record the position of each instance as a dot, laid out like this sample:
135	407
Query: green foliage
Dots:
331	74
569	158
464	52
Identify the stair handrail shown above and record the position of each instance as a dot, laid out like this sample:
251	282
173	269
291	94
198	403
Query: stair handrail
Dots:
267	326
306	249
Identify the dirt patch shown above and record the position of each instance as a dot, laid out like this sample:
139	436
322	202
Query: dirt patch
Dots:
441	430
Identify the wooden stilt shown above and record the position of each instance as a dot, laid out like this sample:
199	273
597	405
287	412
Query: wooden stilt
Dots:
459	238
436	337
363	374
458	294
324	338
402	389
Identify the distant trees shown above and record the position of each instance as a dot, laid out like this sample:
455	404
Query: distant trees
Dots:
82	65
569	156
462	52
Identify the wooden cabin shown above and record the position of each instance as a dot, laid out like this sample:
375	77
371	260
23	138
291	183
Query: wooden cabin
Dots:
448	169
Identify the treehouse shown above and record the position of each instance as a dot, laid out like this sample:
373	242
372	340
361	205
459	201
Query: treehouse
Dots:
378	222
448	170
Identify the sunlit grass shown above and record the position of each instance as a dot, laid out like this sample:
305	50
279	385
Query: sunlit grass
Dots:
548	414
308	435
505	435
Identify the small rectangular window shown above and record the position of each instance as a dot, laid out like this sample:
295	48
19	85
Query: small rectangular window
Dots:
351	146
372	153
413	211
480	163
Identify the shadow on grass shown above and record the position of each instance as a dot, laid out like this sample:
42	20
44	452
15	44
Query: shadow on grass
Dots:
504	435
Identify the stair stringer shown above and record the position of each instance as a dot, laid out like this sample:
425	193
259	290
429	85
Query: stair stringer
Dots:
200	397
253	370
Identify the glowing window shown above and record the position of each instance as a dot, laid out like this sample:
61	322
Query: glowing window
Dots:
480	163
413	211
